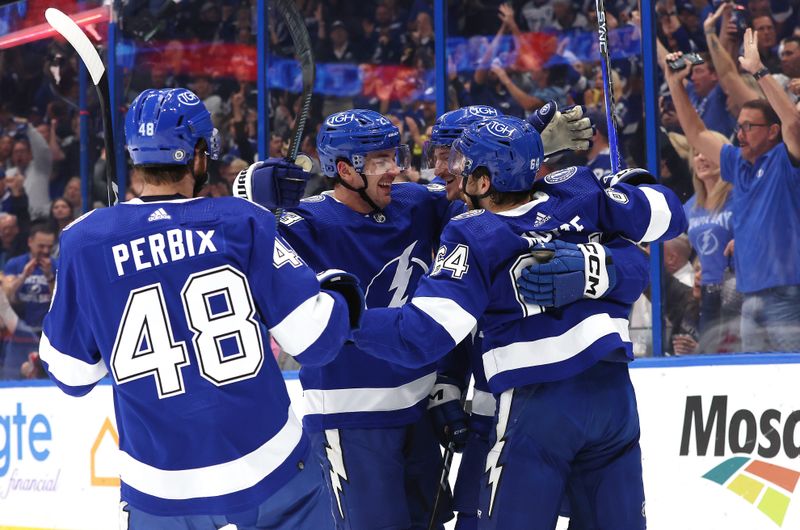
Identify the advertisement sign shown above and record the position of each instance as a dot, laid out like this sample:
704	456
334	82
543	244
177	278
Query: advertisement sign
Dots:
720	446
720	450
57	459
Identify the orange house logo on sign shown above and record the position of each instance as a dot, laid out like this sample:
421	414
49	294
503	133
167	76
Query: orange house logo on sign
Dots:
98	453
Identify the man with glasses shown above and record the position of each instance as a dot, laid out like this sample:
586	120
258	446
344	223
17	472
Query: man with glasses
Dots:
765	172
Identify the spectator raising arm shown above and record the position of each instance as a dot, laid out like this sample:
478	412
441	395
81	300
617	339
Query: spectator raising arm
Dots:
695	130
789	115
485	64
731	82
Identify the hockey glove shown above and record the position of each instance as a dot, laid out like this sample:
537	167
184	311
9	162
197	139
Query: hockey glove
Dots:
348	286
633	176
447	414
574	272
273	183
567	130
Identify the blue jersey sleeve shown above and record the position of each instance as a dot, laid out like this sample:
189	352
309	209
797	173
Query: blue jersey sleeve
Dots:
633	271
647	213
445	308
309	324
68	348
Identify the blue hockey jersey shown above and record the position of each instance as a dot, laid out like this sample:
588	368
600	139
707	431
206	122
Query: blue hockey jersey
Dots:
474	281
389	251
174	299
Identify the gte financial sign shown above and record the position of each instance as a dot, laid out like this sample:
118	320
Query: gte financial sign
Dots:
725	431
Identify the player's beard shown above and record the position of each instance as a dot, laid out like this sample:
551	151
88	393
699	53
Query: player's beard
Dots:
200	180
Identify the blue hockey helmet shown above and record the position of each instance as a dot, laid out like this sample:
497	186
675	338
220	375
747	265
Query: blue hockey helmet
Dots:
508	147
449	126
354	133
163	126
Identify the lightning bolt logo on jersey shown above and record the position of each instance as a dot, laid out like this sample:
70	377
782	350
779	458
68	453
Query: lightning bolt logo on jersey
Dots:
709	233
389	257
402	273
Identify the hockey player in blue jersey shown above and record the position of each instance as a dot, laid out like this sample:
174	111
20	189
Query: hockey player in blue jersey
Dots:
175	298
366	415
384	234
561	373
568	130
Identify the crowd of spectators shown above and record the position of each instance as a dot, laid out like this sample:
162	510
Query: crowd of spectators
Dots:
380	55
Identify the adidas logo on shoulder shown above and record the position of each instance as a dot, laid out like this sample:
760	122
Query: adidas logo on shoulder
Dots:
158	215
540	219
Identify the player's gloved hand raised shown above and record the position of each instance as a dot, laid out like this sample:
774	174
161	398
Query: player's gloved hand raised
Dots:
272	183
574	272
447	414
632	175
563	130
349	287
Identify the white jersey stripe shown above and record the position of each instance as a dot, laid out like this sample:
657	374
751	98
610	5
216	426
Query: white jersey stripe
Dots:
660	215
211	481
302	327
455	320
69	370
556	349
343	400
483	403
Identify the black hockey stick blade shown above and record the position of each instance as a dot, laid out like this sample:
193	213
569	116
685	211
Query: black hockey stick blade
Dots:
302	46
68	29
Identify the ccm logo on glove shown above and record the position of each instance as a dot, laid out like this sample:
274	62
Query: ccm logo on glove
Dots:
596	275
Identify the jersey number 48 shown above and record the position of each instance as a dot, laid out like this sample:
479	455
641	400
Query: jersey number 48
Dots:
145	344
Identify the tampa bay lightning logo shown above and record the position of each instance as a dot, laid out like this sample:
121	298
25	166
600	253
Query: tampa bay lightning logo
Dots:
188	98
340	118
396	281
483	111
561	175
707	243
617	196
501	130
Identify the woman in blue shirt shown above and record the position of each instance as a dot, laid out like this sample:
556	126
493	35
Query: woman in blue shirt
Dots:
710	231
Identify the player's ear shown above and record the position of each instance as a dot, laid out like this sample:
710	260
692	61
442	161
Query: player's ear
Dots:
774	131
484	183
345	170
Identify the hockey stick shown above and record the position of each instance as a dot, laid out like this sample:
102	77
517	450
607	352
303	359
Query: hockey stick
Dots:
608	84
444	483
97	70
302	46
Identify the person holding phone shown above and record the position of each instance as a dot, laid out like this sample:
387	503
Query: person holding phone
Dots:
764	170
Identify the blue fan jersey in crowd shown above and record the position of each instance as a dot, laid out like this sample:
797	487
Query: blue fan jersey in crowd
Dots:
475	273
205	426
768	195
34	294
601	164
709	234
389	251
